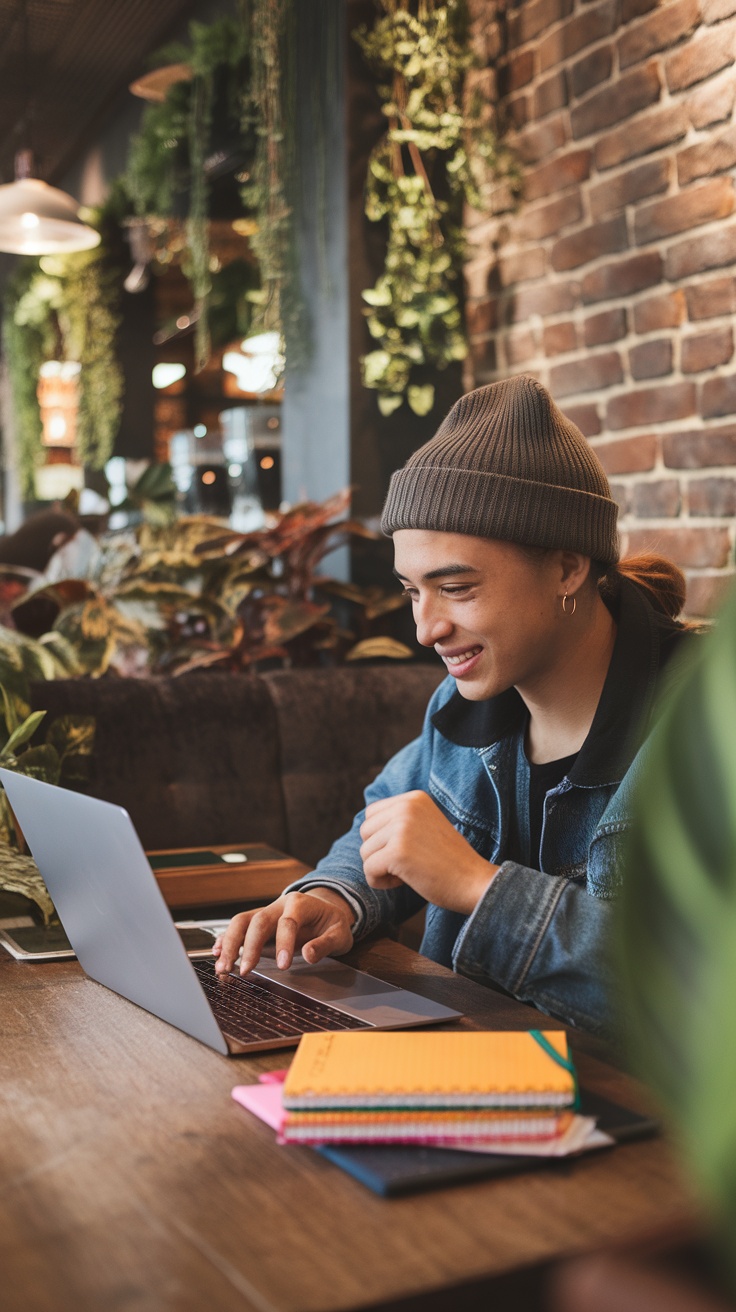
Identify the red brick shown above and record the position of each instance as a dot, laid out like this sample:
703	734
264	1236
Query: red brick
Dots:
698	548
712	103
541	140
651	405
714	497
481	317
655	128
588	244
557	338
608	326
549	218
550	95
704	55
586	417
628	455
622	277
700	448
518	110
632	9
713	11
544	299
562	172
619	100
651	359
714	155
588	374
620	494
484	358
662	29
532	18
696	254
718	397
699	204
706	350
711	299
630	185
520	345
592	24
657	312
706	592
516	73
521	266
591	70
658	500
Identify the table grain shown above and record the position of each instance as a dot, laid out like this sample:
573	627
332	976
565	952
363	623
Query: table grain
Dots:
130	1179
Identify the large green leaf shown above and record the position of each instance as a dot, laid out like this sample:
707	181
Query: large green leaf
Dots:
20	874
678	922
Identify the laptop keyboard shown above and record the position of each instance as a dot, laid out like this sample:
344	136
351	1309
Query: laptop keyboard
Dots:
254	1009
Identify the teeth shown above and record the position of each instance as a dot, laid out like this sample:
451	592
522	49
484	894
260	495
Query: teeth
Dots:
458	660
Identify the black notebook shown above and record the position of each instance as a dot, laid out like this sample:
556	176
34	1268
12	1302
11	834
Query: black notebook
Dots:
393	1171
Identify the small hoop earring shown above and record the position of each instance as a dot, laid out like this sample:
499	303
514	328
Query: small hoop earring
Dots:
565	611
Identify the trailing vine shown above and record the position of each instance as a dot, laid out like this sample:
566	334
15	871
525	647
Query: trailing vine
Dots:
66	307
438	153
170	158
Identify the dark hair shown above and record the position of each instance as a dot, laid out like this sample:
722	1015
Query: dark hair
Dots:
661	580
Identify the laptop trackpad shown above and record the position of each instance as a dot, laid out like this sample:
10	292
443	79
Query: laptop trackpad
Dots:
328	981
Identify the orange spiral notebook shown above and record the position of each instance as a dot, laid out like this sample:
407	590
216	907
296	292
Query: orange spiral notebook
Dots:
466	1069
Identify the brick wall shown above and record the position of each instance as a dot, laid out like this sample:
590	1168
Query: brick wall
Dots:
614	280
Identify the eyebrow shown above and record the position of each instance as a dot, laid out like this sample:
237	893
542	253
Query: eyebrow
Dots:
444	571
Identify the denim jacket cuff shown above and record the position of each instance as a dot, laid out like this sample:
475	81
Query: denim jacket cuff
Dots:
501	936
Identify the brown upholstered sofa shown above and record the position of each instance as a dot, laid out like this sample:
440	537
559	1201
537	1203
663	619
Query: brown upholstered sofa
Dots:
281	757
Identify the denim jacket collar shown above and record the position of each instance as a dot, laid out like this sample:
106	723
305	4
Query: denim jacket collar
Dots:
644	641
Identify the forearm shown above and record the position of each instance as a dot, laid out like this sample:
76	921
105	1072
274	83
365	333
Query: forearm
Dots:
545	940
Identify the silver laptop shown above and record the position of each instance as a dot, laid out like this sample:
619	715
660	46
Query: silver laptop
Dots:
115	917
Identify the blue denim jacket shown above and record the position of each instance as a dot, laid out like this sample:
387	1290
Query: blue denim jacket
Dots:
538	934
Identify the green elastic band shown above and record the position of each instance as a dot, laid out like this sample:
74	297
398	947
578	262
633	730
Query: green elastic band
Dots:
565	1062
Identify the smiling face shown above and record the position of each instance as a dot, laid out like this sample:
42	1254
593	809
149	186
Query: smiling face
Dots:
489	609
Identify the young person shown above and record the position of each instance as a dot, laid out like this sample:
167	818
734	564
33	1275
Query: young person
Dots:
508	814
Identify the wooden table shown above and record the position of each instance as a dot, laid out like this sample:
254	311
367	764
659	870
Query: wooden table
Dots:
131	1180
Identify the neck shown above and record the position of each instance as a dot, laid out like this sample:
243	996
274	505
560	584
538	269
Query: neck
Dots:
562	706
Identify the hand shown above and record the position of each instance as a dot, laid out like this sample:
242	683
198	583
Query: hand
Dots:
318	922
407	840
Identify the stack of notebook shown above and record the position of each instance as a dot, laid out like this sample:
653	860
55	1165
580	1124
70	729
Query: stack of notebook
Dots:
476	1088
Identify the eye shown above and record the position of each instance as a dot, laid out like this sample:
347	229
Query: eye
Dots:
411	593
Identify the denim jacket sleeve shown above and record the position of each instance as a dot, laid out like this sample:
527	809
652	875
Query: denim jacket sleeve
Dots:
543	939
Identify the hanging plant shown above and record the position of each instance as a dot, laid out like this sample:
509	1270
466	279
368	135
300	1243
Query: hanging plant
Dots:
182	141
439	152
67	307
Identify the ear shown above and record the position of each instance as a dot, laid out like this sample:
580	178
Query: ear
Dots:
574	570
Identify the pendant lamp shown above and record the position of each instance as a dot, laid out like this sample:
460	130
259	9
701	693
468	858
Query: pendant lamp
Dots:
36	219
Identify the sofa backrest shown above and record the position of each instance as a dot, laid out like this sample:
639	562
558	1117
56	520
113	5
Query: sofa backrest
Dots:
211	757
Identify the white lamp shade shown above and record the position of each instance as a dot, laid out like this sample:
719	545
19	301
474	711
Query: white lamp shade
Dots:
36	219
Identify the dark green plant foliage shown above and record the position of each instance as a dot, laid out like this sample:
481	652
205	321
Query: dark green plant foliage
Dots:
69	310
440	152
678	923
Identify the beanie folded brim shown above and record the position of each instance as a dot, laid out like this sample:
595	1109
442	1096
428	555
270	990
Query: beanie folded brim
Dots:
490	505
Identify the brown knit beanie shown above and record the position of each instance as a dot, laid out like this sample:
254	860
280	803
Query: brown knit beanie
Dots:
506	463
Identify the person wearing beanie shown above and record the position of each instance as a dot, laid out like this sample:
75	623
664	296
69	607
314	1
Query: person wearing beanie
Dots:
506	817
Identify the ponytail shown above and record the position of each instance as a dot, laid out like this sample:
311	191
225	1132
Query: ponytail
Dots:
663	583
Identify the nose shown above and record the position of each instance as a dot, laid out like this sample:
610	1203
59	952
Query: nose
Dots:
432	624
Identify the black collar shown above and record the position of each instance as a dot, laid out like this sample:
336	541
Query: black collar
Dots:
644	642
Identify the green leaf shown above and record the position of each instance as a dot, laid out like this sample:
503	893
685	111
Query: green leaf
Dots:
387	403
24	731
421	399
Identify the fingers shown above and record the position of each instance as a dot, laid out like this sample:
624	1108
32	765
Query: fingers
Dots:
286	932
228	944
335	939
261	929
